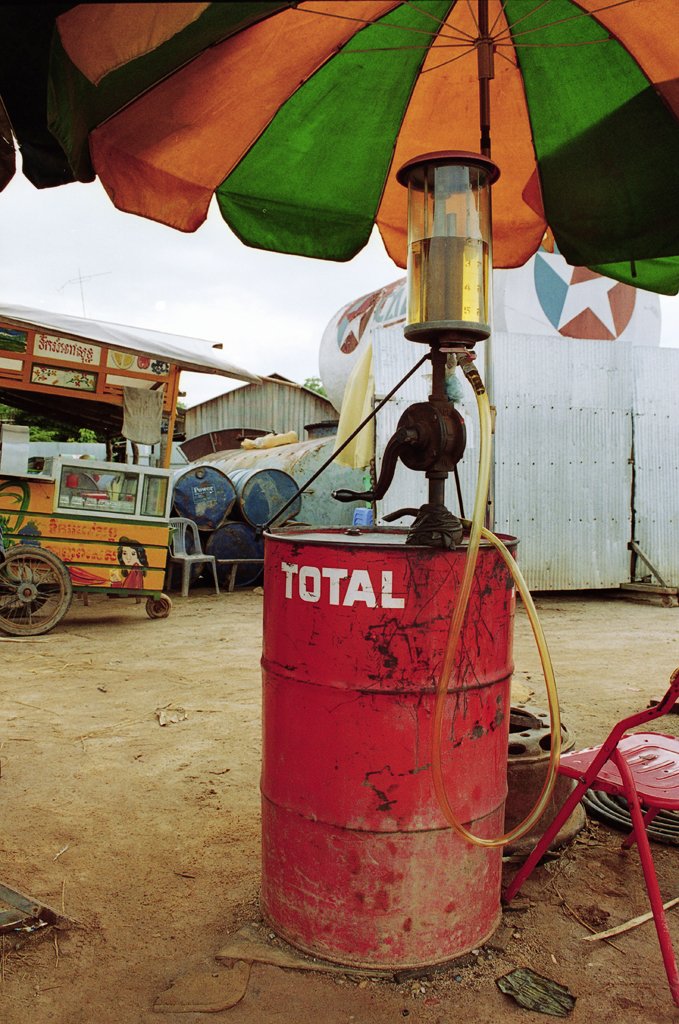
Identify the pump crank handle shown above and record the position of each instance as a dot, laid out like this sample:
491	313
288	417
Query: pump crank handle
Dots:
344	495
403	437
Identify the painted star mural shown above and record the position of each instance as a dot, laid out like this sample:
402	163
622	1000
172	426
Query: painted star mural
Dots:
579	303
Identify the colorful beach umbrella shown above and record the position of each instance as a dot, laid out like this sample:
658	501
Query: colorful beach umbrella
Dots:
296	116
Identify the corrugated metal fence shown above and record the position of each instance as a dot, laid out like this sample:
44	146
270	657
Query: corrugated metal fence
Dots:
656	460
586	453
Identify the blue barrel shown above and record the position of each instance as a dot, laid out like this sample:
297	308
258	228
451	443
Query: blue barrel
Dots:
204	494
236	540
262	493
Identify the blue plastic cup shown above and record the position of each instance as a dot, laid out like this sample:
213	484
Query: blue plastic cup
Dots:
363	517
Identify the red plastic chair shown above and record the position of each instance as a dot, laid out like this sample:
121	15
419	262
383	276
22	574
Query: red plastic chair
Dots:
643	768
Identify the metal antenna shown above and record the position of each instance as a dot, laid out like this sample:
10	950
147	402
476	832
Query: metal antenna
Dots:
79	279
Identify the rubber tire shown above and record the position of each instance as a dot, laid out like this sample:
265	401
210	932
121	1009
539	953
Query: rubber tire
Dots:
158	607
58	575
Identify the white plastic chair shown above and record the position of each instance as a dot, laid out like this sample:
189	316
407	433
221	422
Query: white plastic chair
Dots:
184	535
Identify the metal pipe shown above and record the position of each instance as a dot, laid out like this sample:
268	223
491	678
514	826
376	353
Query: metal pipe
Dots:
486	71
437	478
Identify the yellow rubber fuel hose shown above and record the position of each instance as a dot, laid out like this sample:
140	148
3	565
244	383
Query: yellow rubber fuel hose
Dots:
477	532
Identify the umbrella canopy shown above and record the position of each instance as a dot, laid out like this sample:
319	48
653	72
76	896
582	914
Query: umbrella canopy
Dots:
298	115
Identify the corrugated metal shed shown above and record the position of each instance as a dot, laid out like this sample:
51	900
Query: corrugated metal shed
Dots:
276	405
585	431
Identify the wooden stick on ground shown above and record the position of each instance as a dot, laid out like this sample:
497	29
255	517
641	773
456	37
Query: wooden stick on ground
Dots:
628	925
24	639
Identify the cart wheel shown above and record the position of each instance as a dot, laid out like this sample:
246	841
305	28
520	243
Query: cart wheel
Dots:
35	591
158	607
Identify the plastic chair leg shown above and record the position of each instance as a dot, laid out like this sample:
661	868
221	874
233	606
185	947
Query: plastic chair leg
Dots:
648	867
186	570
216	577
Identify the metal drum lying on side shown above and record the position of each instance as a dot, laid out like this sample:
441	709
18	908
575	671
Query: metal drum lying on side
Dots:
235	540
303	461
204	494
262	493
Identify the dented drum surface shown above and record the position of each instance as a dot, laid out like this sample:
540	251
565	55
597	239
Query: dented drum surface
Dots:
359	866
203	493
264	492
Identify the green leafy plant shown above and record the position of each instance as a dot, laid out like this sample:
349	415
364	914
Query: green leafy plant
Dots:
315	384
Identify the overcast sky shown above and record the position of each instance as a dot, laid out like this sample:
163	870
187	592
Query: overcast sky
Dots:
69	250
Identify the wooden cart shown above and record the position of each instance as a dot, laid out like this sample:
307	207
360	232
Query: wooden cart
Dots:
81	527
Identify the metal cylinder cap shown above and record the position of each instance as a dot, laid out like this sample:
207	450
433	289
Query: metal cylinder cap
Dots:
441	157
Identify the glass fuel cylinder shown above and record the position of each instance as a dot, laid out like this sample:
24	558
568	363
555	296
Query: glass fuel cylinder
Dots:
449	246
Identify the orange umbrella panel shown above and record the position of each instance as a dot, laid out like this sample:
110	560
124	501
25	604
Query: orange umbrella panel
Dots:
297	117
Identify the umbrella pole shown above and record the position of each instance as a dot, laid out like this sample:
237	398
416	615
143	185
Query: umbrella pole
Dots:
486	71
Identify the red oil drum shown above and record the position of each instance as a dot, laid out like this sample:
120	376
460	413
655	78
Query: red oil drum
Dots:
359	865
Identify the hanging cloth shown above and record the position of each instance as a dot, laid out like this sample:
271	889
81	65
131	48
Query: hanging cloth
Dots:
142	415
357	403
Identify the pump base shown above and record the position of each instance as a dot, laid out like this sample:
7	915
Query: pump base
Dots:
445	332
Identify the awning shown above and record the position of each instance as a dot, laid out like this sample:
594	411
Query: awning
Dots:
187	353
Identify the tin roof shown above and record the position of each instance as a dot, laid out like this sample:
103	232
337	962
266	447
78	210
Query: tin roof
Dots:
187	353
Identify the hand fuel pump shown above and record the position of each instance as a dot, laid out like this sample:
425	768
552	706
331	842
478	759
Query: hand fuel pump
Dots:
387	658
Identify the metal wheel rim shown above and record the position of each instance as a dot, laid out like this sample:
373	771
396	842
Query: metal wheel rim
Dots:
35	591
158	607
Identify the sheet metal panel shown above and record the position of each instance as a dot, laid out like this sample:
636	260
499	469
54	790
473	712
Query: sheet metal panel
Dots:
562	462
656	460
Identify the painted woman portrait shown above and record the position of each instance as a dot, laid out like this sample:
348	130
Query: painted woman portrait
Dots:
132	556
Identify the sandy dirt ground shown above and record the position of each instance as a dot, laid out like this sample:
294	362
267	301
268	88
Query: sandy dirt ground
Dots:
147	835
